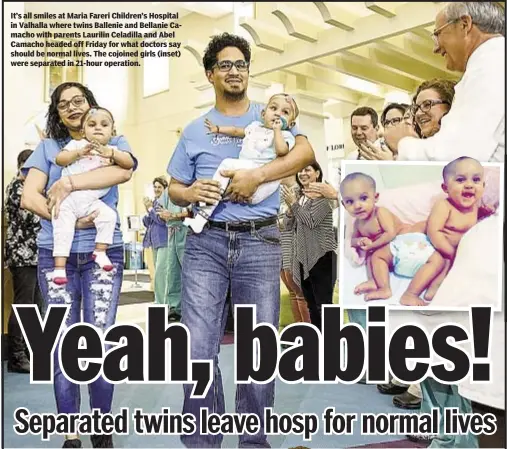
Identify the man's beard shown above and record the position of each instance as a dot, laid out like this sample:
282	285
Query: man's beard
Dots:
234	96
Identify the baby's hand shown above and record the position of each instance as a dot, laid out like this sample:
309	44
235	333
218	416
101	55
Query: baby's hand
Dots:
365	243
277	124
485	211
104	151
212	129
85	150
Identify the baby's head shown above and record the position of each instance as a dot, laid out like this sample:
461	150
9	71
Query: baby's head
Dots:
359	195
98	125
280	106
464	182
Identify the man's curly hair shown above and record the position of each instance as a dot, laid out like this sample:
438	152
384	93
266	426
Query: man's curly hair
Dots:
218	43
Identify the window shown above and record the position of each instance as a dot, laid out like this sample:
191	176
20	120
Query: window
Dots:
56	75
155	75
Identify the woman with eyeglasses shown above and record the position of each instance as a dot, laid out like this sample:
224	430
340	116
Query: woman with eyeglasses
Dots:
431	102
88	287
392	115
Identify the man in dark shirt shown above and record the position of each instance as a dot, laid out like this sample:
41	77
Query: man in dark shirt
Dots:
21	258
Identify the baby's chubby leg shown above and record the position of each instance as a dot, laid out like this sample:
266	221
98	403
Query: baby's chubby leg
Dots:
422	279
437	282
206	210
368	285
381	263
63	235
227	164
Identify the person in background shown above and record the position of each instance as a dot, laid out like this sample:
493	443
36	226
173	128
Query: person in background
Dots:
21	258
172	254
363	128
315	243
298	303
156	237
471	38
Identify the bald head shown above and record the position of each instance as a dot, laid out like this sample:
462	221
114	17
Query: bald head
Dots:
364	179
463	163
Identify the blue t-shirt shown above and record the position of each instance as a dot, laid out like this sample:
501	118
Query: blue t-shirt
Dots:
43	159
198	155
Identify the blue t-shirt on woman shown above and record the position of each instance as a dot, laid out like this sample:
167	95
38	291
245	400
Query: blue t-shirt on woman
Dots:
43	159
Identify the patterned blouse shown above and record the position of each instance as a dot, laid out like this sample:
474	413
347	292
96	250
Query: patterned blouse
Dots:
314	234
22	229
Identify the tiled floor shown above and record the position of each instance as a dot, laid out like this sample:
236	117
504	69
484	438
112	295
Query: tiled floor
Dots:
131	285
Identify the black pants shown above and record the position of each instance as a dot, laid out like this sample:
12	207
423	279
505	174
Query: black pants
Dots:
319	285
26	291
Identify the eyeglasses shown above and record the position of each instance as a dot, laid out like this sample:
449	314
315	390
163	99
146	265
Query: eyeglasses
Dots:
437	32
425	106
76	101
240	64
394	121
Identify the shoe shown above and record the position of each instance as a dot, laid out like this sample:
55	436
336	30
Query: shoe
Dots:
391	388
407	400
421	439
76	442
18	361
101	440
174	316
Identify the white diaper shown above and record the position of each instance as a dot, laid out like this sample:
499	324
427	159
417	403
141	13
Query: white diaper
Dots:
410	252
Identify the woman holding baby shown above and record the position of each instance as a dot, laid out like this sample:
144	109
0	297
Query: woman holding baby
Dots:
88	286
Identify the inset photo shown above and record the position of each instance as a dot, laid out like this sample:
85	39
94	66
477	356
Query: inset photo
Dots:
411	233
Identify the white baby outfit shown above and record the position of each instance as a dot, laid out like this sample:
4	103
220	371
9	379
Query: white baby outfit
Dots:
258	148
81	203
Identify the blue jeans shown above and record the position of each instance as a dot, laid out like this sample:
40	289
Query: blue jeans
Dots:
98	293
249	264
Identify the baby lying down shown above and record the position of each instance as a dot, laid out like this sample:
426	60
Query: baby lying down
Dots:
424	251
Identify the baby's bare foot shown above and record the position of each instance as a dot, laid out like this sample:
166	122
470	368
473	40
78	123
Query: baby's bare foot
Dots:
431	292
365	287
409	299
381	293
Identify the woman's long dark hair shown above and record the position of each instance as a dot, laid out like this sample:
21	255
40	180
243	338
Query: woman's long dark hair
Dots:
316	167
55	129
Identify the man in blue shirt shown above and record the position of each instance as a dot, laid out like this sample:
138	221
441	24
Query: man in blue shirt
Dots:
239	249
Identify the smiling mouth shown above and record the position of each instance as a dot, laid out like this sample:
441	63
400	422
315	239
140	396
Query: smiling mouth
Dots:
75	116
468	195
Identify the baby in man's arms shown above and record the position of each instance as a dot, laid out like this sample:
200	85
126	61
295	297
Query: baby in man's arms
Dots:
424	251
262	143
